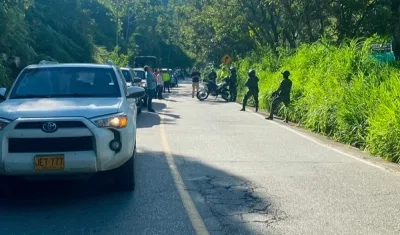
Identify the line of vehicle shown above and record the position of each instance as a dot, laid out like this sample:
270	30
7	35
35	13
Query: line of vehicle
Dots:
194	216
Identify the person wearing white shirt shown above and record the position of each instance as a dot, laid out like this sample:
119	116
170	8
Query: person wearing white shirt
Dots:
160	84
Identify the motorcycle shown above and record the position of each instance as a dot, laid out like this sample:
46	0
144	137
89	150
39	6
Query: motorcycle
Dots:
211	88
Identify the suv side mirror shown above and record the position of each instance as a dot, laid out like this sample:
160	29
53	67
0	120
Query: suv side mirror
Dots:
3	93
135	92
137	80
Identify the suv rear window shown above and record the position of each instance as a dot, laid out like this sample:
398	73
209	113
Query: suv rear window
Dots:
139	74
66	82
127	75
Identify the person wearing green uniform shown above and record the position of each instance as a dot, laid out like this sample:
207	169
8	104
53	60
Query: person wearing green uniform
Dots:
252	85
233	84
213	76
167	80
282	95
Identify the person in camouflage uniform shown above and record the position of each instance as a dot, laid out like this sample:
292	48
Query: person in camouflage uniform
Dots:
252	85
212	76
233	84
282	95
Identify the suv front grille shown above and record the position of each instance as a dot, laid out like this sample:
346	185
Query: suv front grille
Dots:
46	145
60	124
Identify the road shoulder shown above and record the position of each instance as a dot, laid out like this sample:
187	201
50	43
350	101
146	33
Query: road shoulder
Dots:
327	142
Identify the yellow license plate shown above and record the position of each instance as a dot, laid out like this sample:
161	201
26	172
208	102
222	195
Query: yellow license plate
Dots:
54	162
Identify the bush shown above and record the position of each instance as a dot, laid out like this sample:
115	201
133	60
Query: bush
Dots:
339	91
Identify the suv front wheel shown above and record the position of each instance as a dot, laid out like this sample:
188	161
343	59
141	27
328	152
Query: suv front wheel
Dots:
124	176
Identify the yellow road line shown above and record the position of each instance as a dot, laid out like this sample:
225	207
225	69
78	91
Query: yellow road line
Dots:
195	218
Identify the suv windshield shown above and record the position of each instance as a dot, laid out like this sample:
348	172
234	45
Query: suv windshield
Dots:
127	75
66	82
139	74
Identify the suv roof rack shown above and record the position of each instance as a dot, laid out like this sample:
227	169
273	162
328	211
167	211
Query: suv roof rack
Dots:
110	62
48	62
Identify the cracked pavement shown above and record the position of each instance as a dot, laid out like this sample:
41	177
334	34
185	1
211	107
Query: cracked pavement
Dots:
234	202
244	174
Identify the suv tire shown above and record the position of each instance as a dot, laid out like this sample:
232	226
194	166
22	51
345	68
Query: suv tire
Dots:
124	176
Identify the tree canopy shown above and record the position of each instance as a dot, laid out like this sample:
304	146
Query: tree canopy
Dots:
180	32
338	90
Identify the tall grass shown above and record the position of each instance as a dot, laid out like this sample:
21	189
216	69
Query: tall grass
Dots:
339	91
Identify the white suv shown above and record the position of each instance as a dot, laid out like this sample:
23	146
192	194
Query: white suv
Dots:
67	119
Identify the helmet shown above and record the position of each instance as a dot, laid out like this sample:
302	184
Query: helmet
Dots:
286	73
252	72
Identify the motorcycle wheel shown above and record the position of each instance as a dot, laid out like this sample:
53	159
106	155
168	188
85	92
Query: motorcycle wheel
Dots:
226	95
202	94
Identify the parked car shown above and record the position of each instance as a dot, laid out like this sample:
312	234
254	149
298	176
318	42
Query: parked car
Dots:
67	120
179	73
139	72
131	80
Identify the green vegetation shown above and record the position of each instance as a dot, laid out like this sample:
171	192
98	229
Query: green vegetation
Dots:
83	31
339	89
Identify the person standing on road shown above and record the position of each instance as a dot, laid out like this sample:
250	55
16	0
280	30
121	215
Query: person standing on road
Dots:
160	85
252	85
233	84
212	76
282	95
151	87
195	81
167	80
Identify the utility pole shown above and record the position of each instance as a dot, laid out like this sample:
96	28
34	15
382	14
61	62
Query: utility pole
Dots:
169	52
117	22
128	19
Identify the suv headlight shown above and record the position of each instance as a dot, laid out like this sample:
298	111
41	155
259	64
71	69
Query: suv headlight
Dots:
3	123
117	121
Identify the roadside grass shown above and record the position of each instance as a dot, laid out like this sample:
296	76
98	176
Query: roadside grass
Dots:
338	91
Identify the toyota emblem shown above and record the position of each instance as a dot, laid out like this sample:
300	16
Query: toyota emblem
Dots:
49	127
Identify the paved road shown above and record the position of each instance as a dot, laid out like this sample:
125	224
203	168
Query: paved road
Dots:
245	175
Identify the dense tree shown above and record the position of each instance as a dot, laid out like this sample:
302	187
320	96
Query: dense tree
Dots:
237	26
177	31
84	31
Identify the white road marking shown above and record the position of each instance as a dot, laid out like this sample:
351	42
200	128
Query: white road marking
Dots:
195	218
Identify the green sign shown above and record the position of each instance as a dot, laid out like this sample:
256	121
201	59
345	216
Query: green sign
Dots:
383	52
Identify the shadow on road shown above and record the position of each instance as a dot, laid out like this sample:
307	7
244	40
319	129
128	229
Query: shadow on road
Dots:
171	100
228	204
148	120
213	101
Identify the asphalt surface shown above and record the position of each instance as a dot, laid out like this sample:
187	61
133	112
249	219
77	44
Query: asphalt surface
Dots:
244	174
